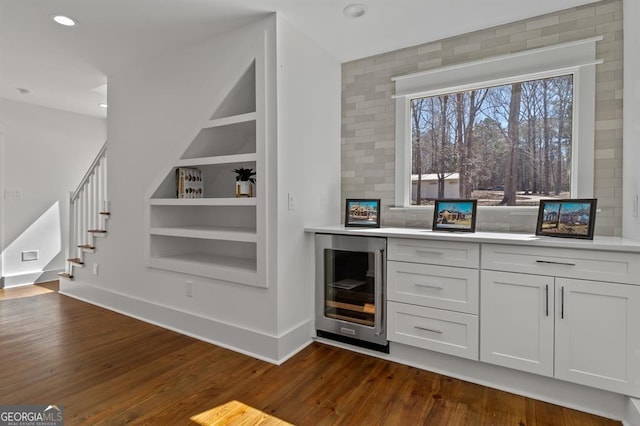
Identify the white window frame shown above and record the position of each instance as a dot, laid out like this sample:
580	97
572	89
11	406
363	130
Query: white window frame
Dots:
577	58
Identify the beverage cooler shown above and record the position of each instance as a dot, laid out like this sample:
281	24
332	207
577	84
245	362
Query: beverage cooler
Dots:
350	285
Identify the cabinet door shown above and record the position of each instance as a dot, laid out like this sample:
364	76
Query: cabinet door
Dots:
598	334
516	326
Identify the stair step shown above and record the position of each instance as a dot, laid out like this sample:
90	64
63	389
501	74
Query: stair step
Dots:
65	275
76	261
86	247
97	231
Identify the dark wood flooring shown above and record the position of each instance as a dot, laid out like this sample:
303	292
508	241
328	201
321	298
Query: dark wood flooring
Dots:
106	368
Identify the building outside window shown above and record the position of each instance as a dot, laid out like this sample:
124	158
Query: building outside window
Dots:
508	144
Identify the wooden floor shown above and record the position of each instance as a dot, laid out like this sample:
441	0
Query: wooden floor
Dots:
106	368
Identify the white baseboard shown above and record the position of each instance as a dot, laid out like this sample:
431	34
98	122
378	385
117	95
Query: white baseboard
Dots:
269	348
294	340
29	278
632	415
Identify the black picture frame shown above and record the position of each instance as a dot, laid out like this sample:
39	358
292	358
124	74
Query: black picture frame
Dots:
455	215
569	218
362	212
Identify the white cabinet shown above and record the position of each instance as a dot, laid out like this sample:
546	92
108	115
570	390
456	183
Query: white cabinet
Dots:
578	330
443	253
454	289
598	335
431	306
217	236
517	321
597	265
453	333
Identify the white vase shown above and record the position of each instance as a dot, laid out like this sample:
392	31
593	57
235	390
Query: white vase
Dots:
244	188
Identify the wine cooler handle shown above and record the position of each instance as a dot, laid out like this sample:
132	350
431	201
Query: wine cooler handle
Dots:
379	289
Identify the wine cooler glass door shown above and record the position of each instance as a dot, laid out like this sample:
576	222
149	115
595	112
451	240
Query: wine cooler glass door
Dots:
349	286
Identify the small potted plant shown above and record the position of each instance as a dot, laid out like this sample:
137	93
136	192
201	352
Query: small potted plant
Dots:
244	182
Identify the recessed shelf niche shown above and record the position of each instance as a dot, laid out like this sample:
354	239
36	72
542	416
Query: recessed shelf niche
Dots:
216	236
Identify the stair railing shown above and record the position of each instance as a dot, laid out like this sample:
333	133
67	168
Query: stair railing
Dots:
88	208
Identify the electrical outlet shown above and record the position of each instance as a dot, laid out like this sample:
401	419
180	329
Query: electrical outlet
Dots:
188	288
95	269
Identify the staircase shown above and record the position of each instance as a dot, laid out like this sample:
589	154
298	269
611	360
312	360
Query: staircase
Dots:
88	214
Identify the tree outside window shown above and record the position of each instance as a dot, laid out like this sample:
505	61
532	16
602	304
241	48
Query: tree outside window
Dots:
503	145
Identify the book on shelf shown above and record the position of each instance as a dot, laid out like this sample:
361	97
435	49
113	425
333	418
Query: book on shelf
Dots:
189	182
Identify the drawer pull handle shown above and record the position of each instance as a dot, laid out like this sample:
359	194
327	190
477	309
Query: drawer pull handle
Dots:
429	253
433	330
549	262
435	287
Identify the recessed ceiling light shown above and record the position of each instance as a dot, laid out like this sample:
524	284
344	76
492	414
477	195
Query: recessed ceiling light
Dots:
23	91
102	105
355	10
64	20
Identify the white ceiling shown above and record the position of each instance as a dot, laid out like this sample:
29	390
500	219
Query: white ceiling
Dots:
66	68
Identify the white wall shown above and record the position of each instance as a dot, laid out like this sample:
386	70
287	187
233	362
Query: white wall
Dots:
308	165
44	153
631	121
155	110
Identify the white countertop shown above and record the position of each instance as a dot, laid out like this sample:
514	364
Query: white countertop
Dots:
598	243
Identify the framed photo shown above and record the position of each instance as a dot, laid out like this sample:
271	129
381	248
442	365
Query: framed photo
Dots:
567	218
362	212
455	215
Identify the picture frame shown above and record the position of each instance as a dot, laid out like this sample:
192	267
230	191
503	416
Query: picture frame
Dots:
568	218
362	212
457	215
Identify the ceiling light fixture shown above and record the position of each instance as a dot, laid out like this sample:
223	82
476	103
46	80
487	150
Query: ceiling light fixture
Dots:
355	10
102	105
64	20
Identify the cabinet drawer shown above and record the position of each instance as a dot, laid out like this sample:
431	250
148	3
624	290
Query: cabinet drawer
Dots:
448	332
441	287
445	253
566	263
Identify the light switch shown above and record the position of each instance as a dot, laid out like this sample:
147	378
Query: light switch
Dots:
292	202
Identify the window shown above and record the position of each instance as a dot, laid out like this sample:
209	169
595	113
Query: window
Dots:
503	145
507	130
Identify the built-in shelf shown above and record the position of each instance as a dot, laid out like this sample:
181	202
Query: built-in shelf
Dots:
234	119
239	201
225	268
239	137
230	233
217	236
219	159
